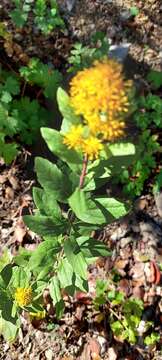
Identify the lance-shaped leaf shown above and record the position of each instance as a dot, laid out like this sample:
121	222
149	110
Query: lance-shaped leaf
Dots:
97	210
55	143
75	257
56	296
44	225
46	203
65	107
44	254
52	179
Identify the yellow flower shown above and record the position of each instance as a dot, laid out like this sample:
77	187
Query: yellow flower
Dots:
92	147
101	95
23	296
73	139
38	315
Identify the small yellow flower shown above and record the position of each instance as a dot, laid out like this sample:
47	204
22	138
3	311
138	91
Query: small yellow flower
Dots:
23	296
73	139
38	315
92	147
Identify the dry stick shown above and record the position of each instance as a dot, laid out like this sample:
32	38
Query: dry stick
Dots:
84	170
23	88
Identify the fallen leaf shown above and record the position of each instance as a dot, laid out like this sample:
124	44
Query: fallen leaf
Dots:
112	354
79	312
120	264
83	297
14	182
138	292
20	231
9	193
124	286
3	179
95	348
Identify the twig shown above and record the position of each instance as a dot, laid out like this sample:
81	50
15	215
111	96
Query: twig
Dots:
84	170
23	89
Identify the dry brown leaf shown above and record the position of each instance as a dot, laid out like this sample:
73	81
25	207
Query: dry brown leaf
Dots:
124	286
120	264
138	292
112	354
9	193
14	182
3	178
94	348
137	271
20	231
79	312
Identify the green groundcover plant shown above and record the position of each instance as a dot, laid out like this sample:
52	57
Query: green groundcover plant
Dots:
20	116
124	314
148	120
46	14
69	207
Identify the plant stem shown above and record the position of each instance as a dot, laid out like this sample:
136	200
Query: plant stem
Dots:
84	170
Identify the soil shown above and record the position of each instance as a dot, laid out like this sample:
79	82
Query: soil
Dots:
135	241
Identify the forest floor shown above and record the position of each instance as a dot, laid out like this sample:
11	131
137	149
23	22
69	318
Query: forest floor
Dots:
135	241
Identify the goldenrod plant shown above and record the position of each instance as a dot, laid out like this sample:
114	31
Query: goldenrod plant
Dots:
90	147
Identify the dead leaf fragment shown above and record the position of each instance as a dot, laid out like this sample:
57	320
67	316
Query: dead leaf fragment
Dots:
20	231
95	348
14	182
9	193
112	354
3	179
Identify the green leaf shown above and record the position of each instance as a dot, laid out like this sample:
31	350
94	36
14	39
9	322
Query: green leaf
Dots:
12	85
54	141
121	149
8	329
5	275
70	280
5	258
6	97
114	207
85	209
52	179
117	328
92	248
19	17
43	75
44	226
8	321
65	273
95	211
75	257
134	11
44	255
22	258
46	203
65	107
38	199
56	296
155	77
152	339
8	152
20	277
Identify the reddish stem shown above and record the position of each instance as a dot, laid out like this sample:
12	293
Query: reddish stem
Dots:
84	170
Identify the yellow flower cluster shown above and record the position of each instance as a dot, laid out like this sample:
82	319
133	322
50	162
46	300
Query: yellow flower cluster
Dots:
101	96
23	296
75	139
